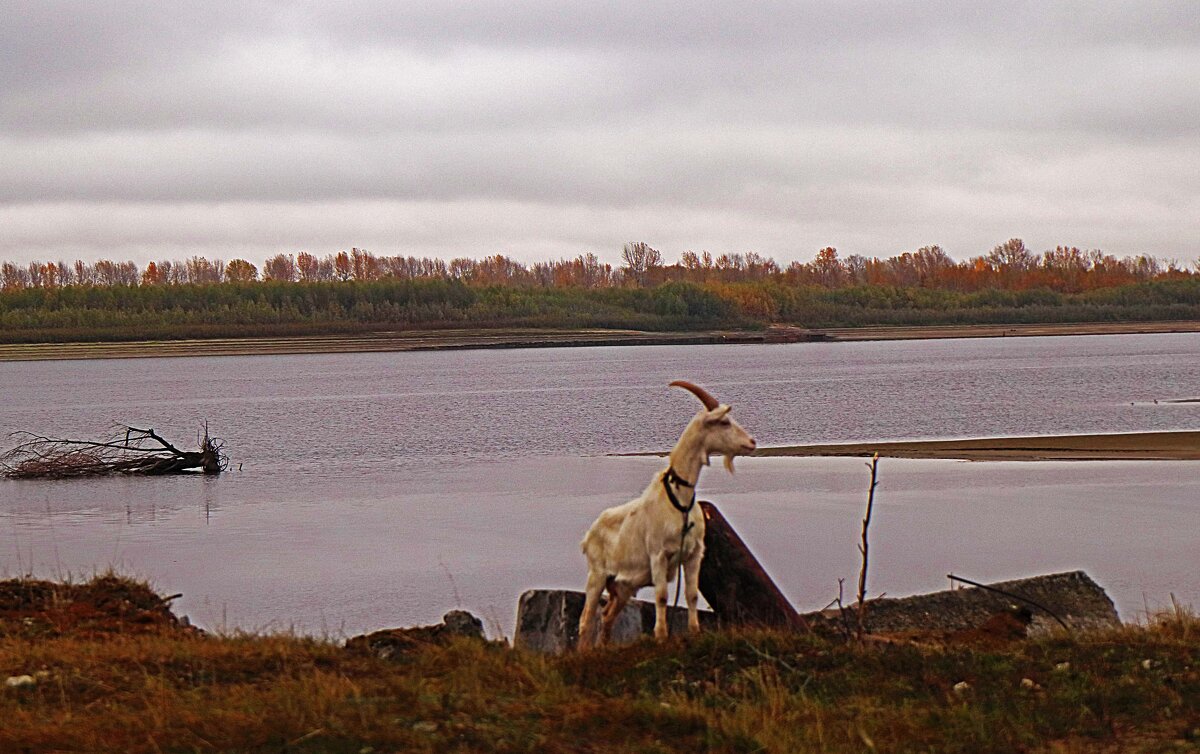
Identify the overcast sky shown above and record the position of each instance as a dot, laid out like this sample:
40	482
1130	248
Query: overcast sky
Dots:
139	130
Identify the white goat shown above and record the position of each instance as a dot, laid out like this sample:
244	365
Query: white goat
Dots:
643	541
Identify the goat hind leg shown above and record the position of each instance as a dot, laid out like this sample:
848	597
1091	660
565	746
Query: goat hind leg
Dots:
618	597
591	606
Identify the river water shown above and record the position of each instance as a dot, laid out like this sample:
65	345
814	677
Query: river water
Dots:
374	490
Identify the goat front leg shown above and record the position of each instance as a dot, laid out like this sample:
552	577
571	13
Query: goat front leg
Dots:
691	589
660	569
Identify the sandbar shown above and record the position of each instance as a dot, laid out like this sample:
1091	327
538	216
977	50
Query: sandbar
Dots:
1130	446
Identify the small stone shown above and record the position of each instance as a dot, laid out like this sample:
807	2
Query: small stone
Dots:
425	726
1147	664
462	623
1028	683
17	681
961	687
1062	667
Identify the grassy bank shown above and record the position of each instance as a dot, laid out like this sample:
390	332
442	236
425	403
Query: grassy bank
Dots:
110	670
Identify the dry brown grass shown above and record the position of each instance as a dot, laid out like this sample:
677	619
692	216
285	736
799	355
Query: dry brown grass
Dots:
160	687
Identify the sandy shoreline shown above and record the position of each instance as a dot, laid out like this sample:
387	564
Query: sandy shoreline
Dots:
1145	446
433	340
410	340
1009	331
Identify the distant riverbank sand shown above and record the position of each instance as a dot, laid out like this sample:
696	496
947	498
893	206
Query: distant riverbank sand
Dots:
1008	331
437	340
1156	446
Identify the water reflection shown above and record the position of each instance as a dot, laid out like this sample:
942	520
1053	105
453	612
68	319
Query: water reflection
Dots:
376	487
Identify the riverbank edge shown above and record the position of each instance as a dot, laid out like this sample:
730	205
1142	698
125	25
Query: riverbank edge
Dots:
451	340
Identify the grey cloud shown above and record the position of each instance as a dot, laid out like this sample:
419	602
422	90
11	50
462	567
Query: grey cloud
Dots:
610	167
877	223
363	66
778	126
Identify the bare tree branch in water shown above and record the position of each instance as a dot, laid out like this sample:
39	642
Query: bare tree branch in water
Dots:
129	450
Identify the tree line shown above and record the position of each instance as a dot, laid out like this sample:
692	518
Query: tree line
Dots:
1009	266
357	291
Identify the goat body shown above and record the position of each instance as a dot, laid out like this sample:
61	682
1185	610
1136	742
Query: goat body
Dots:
642	542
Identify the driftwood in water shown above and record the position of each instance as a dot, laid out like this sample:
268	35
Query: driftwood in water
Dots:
128	451
735	584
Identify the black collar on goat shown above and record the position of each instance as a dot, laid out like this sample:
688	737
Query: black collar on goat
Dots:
671	477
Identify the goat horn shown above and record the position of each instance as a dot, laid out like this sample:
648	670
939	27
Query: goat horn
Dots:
709	402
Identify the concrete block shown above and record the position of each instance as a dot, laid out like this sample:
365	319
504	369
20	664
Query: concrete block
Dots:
548	620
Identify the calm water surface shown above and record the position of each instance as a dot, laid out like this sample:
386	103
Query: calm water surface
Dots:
382	489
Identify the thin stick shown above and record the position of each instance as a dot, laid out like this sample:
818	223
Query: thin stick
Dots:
842	610
864	547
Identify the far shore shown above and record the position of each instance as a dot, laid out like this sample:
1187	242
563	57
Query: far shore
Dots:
441	340
1132	446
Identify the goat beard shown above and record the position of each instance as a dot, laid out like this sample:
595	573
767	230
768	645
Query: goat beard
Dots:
729	463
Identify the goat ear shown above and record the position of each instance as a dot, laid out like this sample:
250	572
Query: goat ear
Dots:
717	414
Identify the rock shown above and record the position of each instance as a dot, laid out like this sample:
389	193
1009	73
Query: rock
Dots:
1073	596
461	623
17	681
548	620
1002	628
393	642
